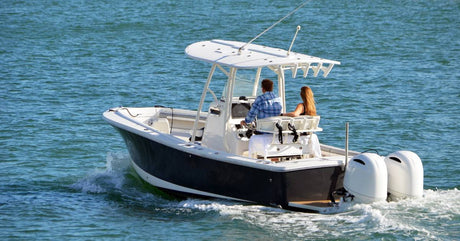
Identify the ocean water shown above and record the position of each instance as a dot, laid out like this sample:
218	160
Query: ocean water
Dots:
65	174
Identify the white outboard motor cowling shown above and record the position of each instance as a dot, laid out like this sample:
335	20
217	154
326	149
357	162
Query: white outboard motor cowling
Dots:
366	178
405	175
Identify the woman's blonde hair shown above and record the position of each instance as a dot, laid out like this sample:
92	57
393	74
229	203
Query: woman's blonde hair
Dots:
308	100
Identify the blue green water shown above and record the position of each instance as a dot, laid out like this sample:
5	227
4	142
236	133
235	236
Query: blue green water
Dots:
64	172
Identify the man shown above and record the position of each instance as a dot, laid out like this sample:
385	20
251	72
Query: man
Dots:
265	105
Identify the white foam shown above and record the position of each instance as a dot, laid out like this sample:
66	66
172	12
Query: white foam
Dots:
101	181
117	162
415	218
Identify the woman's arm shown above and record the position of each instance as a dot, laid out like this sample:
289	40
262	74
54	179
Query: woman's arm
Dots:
298	110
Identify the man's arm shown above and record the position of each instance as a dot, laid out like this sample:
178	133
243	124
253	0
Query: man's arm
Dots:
252	112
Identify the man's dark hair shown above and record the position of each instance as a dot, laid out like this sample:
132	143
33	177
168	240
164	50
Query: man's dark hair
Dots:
267	85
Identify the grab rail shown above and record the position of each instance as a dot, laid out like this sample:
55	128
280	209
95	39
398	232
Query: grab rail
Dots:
300	123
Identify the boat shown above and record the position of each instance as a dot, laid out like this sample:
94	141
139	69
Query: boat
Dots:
206	152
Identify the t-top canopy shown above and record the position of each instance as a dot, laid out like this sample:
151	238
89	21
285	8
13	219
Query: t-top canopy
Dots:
227	53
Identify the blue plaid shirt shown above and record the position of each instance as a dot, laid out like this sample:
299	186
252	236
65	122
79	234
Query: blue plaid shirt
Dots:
265	105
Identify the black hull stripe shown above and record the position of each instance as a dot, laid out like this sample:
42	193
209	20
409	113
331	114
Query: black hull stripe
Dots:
229	180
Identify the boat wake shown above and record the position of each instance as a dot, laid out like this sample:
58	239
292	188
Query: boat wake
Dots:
434	216
118	182
110	178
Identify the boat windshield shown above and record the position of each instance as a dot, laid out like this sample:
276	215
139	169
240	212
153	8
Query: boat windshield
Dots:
245	80
244	83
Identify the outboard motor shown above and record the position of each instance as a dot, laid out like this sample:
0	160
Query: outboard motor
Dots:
405	175
366	178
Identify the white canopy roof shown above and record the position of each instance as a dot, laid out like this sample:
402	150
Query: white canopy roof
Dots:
226	53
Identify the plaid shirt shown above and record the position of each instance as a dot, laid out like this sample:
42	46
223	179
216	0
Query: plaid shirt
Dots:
265	105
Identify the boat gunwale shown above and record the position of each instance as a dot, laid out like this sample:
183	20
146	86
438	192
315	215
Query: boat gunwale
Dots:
198	150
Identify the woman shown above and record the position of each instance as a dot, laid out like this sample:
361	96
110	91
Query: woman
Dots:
308	105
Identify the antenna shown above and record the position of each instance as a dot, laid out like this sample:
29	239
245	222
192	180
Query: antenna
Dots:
266	30
346	145
293	39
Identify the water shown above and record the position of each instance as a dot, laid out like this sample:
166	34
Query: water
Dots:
65	173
